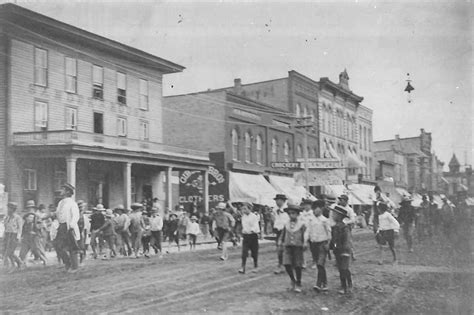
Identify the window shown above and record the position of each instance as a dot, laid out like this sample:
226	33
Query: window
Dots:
248	148
71	118
41	116
299	151
97	82
305	112
259	150
98	123
71	75
235	145
360	137
133	189
60	178
29	179
274	150
315	153
41	67
143	94
365	138
298	110
121	88
330	120
286	151
144	130
323	120
313	116
121	127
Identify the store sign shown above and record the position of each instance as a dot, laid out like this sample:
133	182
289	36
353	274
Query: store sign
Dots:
320	177
312	164
191	187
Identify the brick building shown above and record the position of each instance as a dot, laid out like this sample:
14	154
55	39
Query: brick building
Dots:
417	168
458	178
244	136
84	109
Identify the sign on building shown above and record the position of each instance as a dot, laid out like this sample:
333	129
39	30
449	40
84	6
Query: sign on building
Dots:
191	187
314	163
320	177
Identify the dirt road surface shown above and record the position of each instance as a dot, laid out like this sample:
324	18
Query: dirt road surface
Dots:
437	278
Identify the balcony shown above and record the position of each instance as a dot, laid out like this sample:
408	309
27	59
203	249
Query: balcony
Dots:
72	137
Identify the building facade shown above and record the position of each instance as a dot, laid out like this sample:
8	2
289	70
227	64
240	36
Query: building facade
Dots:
458	179
83	109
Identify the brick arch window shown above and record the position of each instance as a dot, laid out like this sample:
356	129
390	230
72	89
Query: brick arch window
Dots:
248	147
286	151
274	149
298	110
235	145
299	151
259	150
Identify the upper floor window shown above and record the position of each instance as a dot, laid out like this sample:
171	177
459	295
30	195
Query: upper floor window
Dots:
98	122
299	151
71	118
313	116
298	110
286	151
235	145
121	88
71	75
274	150
248	148
259	150
305	111
121	127
143	94
41	67
97	82
41	116
144	130
30	179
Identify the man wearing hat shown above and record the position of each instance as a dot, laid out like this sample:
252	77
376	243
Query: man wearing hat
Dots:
281	218
349	220
306	216
406	218
122	223
341	246
97	221
12	235
447	218
330	201
68	232
292	241
224	223
156	228
193	231
136	226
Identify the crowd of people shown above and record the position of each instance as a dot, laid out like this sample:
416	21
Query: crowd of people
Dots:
305	234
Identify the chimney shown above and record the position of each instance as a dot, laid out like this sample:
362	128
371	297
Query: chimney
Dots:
397	137
422	131
237	85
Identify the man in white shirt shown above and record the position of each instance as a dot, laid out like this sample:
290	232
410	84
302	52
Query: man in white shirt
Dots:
156	228
281	219
68	230
250	231
318	234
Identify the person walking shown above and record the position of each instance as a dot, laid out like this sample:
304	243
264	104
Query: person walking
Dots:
97	221
109	234
204	224
306	215
406	218
388	227
68	232
136	227
250	232
13	229
172	230
156	228
318	235
193	231
447	219
224	223
29	242
422	222
280	219
341	246
293	243
122	224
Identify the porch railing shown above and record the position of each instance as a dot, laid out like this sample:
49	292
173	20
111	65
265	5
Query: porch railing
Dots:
68	137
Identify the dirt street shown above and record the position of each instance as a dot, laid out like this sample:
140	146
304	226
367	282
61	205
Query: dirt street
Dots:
436	279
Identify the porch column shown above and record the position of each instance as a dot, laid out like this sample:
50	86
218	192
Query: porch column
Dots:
169	188
206	191
127	184
71	172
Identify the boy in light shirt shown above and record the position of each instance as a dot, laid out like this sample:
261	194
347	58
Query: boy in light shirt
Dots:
250	233
388	226
193	230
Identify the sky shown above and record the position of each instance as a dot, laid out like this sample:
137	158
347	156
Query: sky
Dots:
378	42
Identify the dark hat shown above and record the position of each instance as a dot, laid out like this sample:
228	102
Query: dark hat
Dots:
340	210
406	199
280	196
12	204
344	197
119	208
330	198
318	204
69	186
306	202
293	208
30	204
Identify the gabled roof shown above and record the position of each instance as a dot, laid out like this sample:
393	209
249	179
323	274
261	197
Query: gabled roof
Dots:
454	161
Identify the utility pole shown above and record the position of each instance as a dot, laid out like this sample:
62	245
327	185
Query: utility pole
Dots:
301	123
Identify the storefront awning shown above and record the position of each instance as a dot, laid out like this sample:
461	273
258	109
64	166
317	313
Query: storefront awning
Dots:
287	186
251	188
353	161
403	192
333	152
417	200
364	193
338	190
